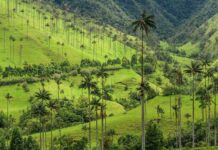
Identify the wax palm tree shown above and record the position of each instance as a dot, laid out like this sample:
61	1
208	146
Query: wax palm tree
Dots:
201	96
95	106
57	78
215	86
71	87
21	50
101	73
144	24
49	41
27	28
52	104
42	96
8	97
176	110
89	84
82	47
209	75
4	30
193	70
12	40
179	82
102	108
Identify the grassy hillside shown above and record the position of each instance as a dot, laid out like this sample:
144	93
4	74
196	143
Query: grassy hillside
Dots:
204	38
21	98
207	11
129	122
29	37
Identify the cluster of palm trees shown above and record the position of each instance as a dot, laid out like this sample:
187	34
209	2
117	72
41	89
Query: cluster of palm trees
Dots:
145	23
206	95
71	29
96	102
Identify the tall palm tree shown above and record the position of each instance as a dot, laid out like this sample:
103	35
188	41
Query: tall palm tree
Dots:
193	70
206	61
4	30
95	106
52	104
27	28
209	75
21	50
179	82
49	41
12	40
71	87
215	83
88	83
57	78
101	73
144	24
42	95
8	97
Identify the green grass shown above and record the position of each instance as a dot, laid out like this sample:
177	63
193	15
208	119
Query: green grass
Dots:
190	48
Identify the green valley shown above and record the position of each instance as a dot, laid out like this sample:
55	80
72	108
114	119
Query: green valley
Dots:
108	75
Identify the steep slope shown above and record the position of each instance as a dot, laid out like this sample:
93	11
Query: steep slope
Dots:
169	14
209	9
36	36
204	38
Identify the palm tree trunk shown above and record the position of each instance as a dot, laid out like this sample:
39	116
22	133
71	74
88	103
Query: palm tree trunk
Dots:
193	112
142	96
179	123
40	134
8	9
96	114
60	146
209	122
7	142
89	98
102	128
170	106
51	129
202	113
215	118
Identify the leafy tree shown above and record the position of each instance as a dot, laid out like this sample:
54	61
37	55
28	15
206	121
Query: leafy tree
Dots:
134	60
30	144
2	141
81	144
154	137
16	140
129	142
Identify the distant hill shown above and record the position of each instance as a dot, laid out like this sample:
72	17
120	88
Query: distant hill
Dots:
171	15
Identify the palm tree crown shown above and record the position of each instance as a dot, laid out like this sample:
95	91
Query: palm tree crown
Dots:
194	68
144	23
42	95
